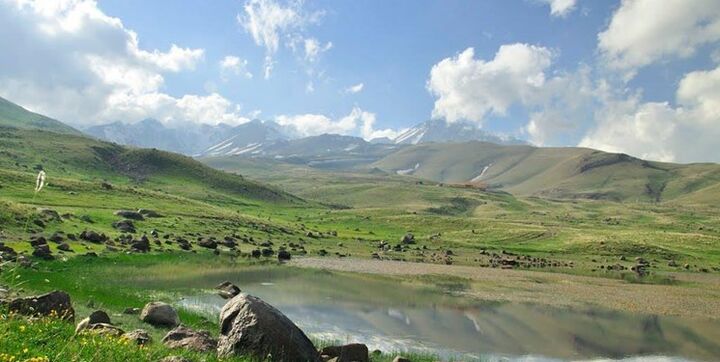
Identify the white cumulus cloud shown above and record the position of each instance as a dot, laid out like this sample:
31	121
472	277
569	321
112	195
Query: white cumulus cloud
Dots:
232	65
560	8
73	62
353	89
269	21
467	88
687	132
357	123
642	32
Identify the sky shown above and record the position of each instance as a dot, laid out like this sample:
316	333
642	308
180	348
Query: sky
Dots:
635	76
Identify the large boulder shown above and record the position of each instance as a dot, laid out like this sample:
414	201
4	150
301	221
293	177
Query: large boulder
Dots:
129	214
184	337
56	303
249	326
160	314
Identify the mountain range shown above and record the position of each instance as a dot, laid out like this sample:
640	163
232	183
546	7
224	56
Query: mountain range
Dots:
268	139
30	140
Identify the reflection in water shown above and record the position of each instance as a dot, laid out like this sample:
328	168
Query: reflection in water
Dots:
392	317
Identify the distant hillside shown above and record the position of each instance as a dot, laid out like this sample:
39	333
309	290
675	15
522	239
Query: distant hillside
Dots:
188	139
63	154
329	151
555	172
437	130
13	115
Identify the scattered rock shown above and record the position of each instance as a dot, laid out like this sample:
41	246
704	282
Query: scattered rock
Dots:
139	336
37	241
249	326
99	316
126	226
106	185
131	311
141	245
56	237
227	290
207	243
104	329
354	352
129	214
175	359
400	359
184	337
43	252
284	255
64	247
408	239
93	237
160	314
56	302
49	215
7	253
149	213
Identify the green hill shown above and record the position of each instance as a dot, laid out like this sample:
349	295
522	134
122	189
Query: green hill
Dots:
12	115
29	142
567	172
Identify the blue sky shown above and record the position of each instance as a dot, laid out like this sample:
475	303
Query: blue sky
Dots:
624	76
389	46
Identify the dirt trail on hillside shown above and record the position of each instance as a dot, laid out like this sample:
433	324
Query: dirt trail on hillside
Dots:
697	296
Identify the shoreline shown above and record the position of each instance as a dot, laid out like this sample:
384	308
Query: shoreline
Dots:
697	297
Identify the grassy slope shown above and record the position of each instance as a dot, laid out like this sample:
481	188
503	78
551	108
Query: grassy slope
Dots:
556	172
15	116
469	220
84	159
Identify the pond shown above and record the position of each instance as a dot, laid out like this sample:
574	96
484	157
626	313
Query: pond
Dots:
392	316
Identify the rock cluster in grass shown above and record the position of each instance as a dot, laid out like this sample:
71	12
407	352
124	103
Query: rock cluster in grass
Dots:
249	327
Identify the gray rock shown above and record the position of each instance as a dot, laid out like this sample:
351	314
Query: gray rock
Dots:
56	302
184	337
93	236
175	359
99	316
207	243
149	213
284	255
227	290
43	252
129	214
249	326
104	329
408	239
354	352
139	336
160	314
126	226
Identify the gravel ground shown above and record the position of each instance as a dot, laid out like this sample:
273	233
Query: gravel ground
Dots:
697	296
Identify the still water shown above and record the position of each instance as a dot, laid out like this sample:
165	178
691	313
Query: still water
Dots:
392	316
